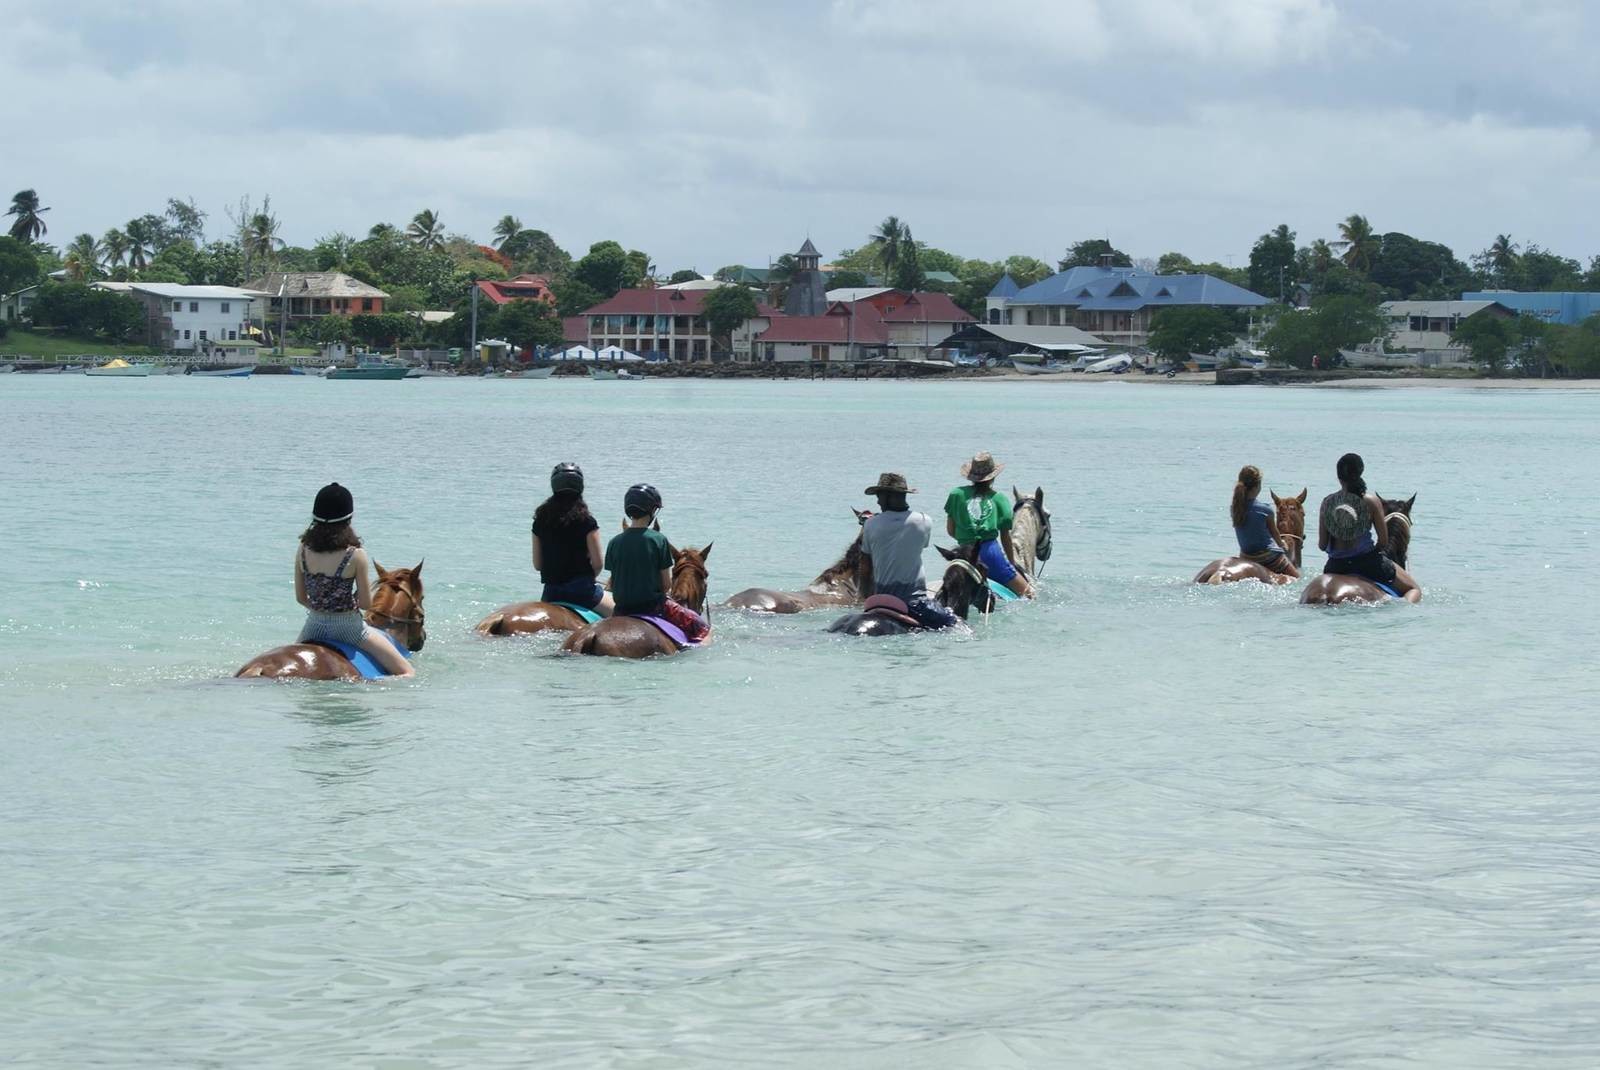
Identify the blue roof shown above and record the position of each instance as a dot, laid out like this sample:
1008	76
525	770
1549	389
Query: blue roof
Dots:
1121	289
1006	287
1571	308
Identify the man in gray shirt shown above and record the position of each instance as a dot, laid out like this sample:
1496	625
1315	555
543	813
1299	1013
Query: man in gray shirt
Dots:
893	541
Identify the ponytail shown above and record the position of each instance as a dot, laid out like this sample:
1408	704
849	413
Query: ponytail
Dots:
1247	486
1349	472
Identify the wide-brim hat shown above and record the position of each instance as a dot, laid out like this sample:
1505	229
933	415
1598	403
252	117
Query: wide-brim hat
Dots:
892	483
982	468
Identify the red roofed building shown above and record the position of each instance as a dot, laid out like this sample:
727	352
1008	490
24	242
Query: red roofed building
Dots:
521	288
893	324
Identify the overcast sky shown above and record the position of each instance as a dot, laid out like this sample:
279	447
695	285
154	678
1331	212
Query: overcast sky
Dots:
709	132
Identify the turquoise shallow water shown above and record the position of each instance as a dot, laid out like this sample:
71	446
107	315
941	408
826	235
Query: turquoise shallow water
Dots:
1137	823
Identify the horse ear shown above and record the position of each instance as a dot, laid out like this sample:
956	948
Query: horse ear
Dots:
382	572
655	525
1038	496
1302	498
416	573
948	555
1275	499
1409	503
671	549
706	552
1017	495
861	515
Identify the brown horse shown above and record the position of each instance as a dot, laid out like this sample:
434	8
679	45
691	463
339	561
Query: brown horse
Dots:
396	609
840	584
630	637
530	618
1330	589
965	587
1292	528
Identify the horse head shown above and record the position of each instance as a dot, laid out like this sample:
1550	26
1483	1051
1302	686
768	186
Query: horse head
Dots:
850	570
689	576
965	583
1397	519
1042	536
397	605
1292	522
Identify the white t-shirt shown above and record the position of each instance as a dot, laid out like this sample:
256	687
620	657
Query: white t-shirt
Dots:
895	542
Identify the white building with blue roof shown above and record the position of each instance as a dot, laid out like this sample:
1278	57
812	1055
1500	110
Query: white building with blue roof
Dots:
1115	303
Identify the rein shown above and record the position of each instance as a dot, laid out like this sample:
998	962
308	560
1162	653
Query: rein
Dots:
416	604
1405	520
977	578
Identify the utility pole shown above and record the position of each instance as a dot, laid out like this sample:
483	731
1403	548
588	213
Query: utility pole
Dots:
283	318
473	351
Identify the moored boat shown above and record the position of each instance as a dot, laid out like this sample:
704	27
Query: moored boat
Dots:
530	373
369	371
221	373
120	368
1038	369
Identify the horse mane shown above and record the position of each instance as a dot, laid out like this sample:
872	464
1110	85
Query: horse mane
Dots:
689	579
845	570
1399	533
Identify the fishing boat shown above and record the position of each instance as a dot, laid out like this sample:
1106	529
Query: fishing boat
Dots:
369	371
1042	368
530	373
221	373
121	369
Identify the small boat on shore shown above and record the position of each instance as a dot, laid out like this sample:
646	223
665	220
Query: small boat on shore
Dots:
7	369
120	368
529	373
221	373
1039	369
605	375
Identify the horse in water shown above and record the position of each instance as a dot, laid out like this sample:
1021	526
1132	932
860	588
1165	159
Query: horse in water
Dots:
634	637
1291	528
1030	532
396	609
965	587
1331	588
839	584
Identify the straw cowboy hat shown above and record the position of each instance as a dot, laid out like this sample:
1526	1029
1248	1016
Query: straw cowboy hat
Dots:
981	469
891	483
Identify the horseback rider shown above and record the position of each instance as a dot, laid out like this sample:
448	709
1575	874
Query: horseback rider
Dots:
1255	525
566	544
1346	524
640	563
892	541
332	581
977	515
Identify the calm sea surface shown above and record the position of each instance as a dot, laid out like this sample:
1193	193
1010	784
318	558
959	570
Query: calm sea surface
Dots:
1135	824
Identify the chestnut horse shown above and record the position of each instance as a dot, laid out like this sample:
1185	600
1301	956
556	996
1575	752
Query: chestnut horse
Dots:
396	609
1331	588
840	584
630	637
965	587
1292	529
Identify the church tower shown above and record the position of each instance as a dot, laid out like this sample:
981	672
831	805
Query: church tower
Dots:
808	290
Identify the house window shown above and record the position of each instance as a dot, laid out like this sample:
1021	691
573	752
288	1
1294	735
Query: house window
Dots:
177	306
1055	317
194	306
224	307
772	351
185	336
202	336
819	352
366	304
233	336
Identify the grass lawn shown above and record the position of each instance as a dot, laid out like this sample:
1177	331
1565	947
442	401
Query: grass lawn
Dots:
23	344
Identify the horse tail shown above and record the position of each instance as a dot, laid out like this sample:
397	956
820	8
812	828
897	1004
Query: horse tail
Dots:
249	672
583	642
494	624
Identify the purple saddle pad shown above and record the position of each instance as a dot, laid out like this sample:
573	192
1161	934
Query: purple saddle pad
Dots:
668	629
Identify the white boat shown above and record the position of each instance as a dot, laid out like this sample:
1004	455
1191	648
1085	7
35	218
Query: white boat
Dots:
120	368
426	373
1039	369
1119	363
1373	355
222	373
7	369
530	373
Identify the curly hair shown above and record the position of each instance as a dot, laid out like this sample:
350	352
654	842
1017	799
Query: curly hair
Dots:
329	538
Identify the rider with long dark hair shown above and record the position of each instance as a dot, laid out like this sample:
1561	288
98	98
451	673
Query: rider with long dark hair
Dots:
1353	532
566	544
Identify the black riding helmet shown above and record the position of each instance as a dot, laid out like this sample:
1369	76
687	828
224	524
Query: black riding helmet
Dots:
566	476
641	500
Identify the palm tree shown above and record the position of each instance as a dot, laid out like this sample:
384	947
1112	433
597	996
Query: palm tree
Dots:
1503	255
1321	256
141	243
27	226
426	230
382	231
508	227
114	247
83	258
261	241
1359	241
889	239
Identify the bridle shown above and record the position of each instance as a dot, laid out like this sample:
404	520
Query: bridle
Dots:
414	621
980	583
1042	543
1294	551
1405	521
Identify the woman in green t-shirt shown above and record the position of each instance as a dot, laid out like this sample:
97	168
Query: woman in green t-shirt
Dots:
977	515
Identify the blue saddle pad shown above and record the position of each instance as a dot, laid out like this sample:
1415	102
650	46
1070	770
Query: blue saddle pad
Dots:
1386	589
369	669
1002	592
589	616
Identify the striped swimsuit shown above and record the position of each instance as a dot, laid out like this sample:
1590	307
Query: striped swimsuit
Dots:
332	616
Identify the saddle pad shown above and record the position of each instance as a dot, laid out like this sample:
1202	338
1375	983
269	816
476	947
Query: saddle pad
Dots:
667	628
369	669
589	616
1385	588
1002	592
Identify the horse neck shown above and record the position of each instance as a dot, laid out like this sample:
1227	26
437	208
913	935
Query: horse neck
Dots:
689	588
1025	527
843	574
954	594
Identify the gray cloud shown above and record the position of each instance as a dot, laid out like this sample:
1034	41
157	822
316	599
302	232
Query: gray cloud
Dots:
711	131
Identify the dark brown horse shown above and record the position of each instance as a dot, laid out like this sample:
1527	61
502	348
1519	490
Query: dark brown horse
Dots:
1291	526
965	587
840	584
630	637
1330	589
396	609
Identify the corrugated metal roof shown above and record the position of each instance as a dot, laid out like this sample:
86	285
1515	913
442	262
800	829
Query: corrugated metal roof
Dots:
1096	289
1006	287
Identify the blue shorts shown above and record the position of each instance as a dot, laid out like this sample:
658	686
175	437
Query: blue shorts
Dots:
583	592
992	556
